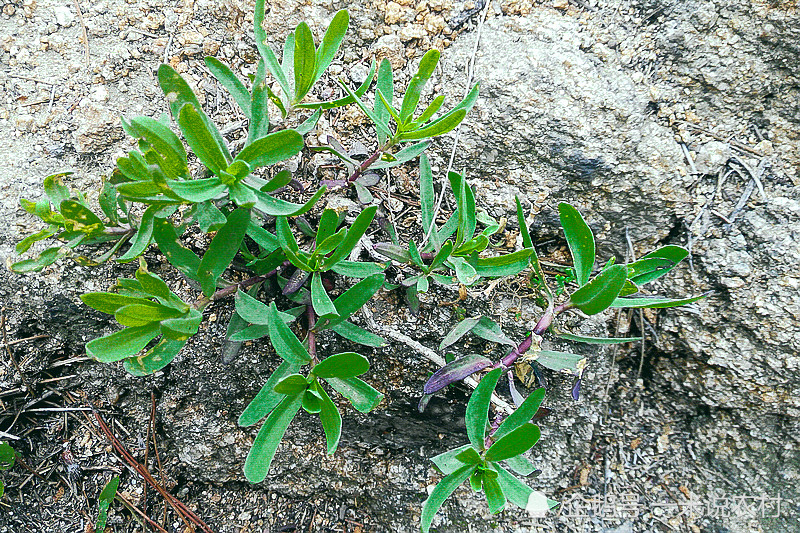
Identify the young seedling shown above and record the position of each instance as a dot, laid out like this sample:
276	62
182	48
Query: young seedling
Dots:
7	459
104	503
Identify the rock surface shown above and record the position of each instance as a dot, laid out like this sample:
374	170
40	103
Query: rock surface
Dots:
599	105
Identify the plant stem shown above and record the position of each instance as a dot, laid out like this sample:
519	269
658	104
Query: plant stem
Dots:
230	290
368	162
312	336
538	330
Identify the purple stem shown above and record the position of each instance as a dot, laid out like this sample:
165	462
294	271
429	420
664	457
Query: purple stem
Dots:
312	338
538	330
368	162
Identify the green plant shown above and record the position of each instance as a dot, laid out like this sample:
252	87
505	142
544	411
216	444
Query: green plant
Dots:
301	264
104	503
7	459
496	446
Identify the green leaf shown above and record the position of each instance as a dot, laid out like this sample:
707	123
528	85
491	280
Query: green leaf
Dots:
331	421
140	314
162	140
655	302
354	234
465	272
487	329
354	333
469	456
250	309
596	340
79	218
259	115
440	127
304	61
580	240
55	189
495	498
384	87
466	208
328	223
330	244
108	302
269	436
431	110
277	207
527	242
201	139
222	250
357	269
406	154
341	365
447	462
289	244
231	83
560	361
460	329
674	254
441	256
46	258
520	465
106	498
242	195
283	340
7	456
331	42
319	297
181	328
360	394
522	415
265	51
503	265
353	299
25	244
179	94
281	179
155	358
600	293
441	492
393	251
410	100
292	384
427	198
144	234
266	400
515	490
122	344
272	149
478	408
185	260
514	443
347	100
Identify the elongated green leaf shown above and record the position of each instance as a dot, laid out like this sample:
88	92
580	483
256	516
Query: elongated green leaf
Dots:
520	465
447	462
285	342
259	113
384	87
410	100
266	400
360	394
201	139
527	242
331	421
185	260
393	251
328	223
319	297
109	302
478	408
515	490
487	329
503	265
514	443
154	285
304	61
289	244
329	244
331	42
250	309
354	298
674	254
580	240
46	258
25	244
180	329
406	154
465	105
292	384
162	140
55	189
427	199
277	207
495	498
341	365
440	127
600	293
561	361
465	272
144	234
142	314
272	149
466	208
441	256
597	340
222	250
122	344
655	302
265	51
441	492
106	498
231	83
431	110
266	240
522	415
80	218
269	436
381	127
155	358
358	334
460	329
